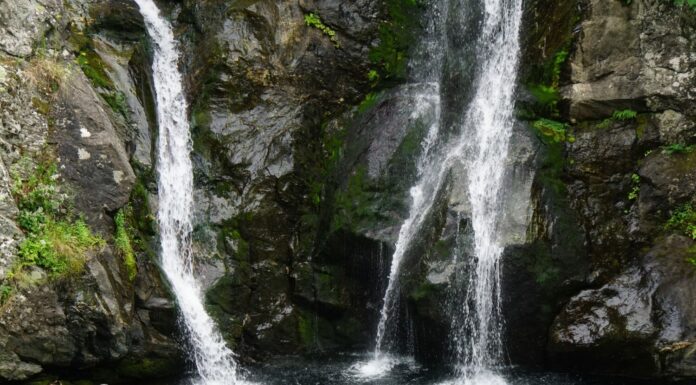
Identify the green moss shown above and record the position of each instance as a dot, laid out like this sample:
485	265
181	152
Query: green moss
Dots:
117	101
94	68
422	291
396	34
369	102
147	367
122	240
305	330
551	131
313	20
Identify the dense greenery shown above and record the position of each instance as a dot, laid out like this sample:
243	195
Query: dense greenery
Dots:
55	240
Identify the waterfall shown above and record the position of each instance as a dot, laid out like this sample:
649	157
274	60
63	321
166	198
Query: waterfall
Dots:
489	122
214	360
480	146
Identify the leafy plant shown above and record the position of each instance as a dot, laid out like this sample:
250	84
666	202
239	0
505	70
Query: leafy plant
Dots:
678	148
635	190
60	247
5	293
552	131
624	115
313	20
123	243
683	219
619	115
54	241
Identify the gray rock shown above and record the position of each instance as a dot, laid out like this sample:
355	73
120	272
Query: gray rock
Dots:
632	57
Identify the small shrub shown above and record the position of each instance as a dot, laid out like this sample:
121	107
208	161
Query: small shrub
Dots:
54	241
313	20
124	245
683	220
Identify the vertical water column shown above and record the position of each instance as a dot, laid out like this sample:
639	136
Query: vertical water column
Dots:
488	127
214	360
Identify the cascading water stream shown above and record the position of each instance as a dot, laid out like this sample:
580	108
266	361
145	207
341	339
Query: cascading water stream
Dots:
481	146
489	121
214	360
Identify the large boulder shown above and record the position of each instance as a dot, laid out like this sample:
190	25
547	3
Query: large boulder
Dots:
640	324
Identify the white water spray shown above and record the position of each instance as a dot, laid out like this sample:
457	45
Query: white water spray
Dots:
482	147
214	360
489	121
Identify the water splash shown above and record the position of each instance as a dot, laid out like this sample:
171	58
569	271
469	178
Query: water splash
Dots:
480	146
214	360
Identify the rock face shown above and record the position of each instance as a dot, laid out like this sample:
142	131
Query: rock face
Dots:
624	178
65	103
304	148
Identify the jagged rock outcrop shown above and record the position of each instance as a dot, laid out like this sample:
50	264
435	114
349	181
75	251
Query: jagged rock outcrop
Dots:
65	101
625	177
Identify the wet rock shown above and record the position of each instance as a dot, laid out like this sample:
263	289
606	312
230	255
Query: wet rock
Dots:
629	325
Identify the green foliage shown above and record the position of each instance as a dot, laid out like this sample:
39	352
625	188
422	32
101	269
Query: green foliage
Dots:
546	95
552	131
678	148
546	91
624	115
396	34
54	241
93	67
619	115
353	204
313	20
690	3
123	243
5	293
369	102
683	220
117	101
635	189
60	247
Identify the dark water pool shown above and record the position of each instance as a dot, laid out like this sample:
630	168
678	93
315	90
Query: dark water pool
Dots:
340	370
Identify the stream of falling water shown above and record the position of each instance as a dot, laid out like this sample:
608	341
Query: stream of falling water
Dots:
481	146
214	360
